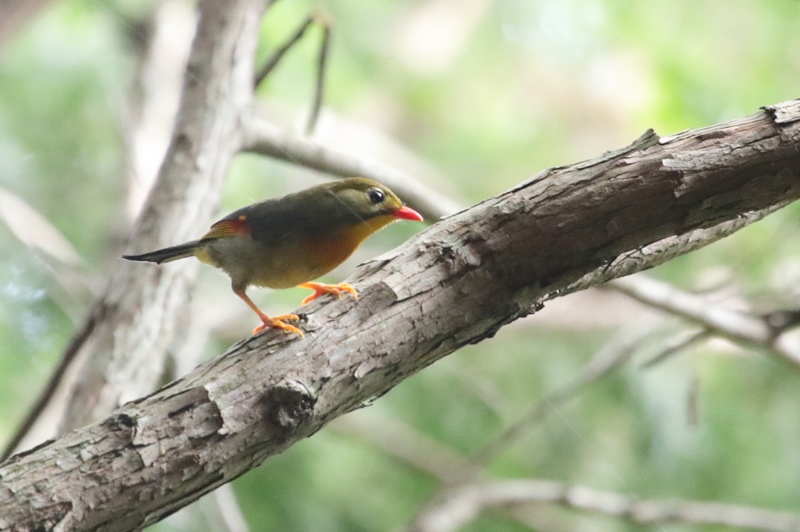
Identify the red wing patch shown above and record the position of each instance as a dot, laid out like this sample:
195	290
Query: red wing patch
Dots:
228	228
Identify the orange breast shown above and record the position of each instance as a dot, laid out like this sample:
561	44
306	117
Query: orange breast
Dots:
321	255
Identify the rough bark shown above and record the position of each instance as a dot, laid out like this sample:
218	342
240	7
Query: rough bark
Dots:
456	283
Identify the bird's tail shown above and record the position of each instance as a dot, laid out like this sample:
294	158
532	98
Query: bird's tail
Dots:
167	254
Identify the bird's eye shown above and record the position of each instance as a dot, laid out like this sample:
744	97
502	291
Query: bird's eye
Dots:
376	195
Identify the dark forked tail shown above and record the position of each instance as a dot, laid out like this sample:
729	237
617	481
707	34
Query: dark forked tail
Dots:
167	254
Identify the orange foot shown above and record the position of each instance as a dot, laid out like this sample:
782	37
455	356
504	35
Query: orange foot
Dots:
278	322
322	289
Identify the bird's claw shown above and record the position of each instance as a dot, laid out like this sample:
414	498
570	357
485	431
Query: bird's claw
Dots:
279	323
321	289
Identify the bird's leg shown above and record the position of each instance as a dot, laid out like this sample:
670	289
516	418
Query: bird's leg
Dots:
322	289
266	321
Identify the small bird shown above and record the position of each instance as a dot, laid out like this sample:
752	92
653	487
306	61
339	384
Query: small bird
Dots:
288	241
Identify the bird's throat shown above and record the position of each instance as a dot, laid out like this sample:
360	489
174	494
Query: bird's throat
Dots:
342	242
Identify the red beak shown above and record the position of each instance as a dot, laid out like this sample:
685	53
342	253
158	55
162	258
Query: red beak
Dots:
407	213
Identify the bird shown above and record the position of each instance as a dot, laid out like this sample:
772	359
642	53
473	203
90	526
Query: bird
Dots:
291	240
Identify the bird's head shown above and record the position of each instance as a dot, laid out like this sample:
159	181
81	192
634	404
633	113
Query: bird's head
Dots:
367	200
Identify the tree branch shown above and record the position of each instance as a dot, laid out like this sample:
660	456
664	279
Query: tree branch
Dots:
322	70
461	505
278	55
456	283
613	355
736	325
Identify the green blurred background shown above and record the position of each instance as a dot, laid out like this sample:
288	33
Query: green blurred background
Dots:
472	96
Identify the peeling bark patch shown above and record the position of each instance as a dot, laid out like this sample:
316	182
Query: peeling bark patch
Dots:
783	113
462	256
288	405
364	368
189	417
205	420
199	415
378	295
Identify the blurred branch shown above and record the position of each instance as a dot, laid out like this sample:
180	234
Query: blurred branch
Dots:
266	139
231	512
227	515
404	442
676	344
51	403
456	507
322	62
56	252
273	61
15	14
162	51
322	67
738	326
459	506
612	356
34	230
414	448
454	284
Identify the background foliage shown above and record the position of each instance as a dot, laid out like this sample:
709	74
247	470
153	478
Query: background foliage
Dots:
473	97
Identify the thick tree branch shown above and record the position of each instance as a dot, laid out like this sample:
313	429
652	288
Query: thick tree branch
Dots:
456	283
668	248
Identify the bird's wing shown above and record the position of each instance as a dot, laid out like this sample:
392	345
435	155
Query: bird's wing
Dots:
269	222
227	228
